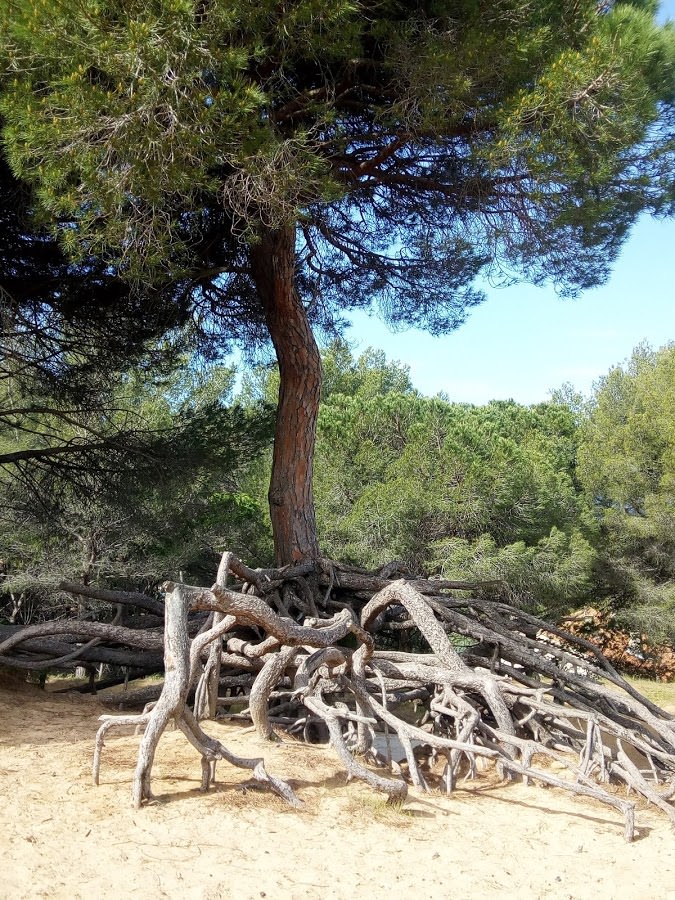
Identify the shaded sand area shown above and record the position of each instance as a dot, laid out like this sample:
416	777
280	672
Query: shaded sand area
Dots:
62	837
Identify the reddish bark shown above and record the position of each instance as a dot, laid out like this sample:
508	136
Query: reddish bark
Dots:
291	496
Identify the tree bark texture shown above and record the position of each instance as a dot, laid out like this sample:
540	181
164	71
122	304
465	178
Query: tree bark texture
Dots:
181	661
176	686
291	497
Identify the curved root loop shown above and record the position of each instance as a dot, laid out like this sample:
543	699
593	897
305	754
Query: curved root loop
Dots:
508	697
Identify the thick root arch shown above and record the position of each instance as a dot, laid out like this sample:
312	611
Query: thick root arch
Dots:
307	646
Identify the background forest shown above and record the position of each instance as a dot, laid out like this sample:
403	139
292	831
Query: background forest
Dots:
567	503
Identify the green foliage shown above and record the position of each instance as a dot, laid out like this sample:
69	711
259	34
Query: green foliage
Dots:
371	375
628	455
449	487
566	503
552	576
167	501
407	146
165	102
511	133
627	466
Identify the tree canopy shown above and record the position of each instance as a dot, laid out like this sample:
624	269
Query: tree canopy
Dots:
627	466
411	145
67	332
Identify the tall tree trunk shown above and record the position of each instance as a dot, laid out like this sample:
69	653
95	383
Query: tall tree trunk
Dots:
291	496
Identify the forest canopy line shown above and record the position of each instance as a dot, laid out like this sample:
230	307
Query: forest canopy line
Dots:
567	503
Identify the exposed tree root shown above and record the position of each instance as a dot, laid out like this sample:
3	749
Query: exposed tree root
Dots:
181	659
302	643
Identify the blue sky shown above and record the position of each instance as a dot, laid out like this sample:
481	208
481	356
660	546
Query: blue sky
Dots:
523	341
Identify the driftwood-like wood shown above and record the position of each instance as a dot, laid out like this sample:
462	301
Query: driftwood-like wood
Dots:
300	648
127	598
180	660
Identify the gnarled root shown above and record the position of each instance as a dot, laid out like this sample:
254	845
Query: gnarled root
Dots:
180	664
511	696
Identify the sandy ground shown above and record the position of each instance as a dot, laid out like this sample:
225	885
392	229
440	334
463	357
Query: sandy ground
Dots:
62	837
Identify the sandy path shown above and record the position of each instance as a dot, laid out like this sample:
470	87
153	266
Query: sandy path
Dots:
61	837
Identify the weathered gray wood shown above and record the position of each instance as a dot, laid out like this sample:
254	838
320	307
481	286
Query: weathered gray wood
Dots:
461	675
171	703
510	696
395	789
75	629
206	694
128	598
180	663
265	682
108	723
212	750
